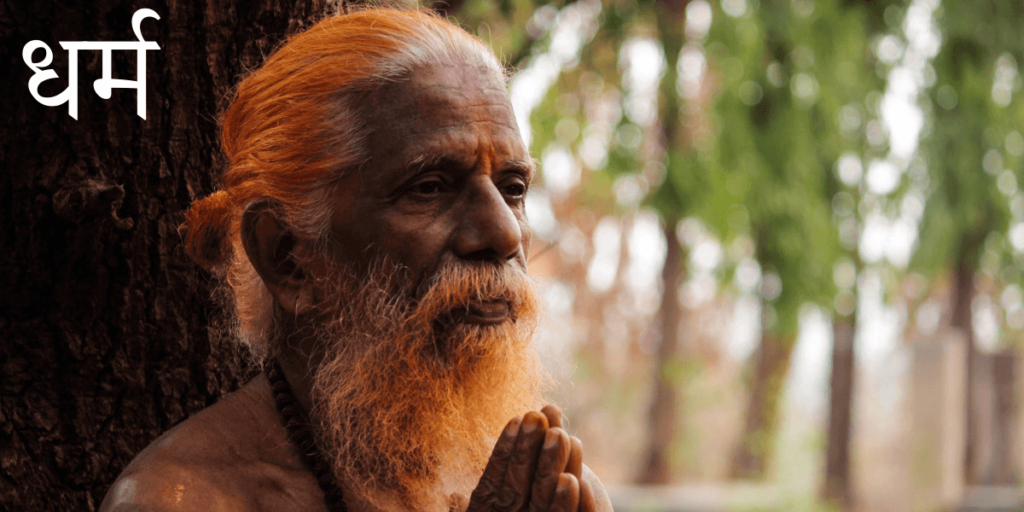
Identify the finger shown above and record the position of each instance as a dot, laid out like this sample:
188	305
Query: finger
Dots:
486	491
587	501
458	502
567	494
575	463
551	463
515	490
553	414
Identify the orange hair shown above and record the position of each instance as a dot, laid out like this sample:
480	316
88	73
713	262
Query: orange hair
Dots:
293	130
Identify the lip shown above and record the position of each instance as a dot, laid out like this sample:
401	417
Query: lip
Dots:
489	312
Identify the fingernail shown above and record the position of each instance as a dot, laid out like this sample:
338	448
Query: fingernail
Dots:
565	482
530	423
551	438
513	426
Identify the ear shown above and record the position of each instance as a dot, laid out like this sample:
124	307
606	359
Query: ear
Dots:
272	250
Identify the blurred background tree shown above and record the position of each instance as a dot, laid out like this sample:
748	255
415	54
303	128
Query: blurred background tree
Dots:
973	157
775	144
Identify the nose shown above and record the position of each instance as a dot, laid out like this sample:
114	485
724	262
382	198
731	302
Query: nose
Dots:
488	229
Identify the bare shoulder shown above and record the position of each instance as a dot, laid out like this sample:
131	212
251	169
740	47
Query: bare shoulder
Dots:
159	485
601	499
232	456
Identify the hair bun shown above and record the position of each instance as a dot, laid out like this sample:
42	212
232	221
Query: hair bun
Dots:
206	230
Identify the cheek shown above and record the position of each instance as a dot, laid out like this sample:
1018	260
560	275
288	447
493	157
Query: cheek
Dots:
524	228
417	247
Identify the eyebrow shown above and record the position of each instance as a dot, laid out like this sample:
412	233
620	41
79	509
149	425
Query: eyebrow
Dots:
526	165
427	163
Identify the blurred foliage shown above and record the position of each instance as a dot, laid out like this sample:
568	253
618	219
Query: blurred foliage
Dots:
967	151
783	75
505	25
786	89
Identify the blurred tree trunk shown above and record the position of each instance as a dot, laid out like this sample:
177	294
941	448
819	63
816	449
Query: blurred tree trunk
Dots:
110	335
995	418
838	487
771	363
962	319
661	418
1004	425
670	16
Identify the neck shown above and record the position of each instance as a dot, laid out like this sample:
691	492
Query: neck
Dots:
300	434
295	368
298	356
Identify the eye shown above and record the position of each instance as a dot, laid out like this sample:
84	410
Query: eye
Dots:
428	187
514	189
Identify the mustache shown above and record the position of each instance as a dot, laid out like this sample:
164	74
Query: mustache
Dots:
383	300
456	286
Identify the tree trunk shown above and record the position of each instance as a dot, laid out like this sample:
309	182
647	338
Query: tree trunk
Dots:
662	414
838	487
771	363
1005	411
110	335
661	422
962	319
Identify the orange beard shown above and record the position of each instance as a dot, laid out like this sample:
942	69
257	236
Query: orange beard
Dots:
407	393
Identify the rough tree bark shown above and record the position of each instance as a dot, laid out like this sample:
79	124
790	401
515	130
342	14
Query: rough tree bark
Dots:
110	335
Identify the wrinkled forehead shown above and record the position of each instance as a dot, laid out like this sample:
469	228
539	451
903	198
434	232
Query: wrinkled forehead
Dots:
445	109
437	87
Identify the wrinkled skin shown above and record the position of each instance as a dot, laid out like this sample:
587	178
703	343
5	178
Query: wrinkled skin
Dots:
446	179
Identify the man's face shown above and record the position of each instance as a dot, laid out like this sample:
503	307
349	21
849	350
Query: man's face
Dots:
420	374
445	181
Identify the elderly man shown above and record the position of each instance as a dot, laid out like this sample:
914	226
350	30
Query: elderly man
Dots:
372	236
